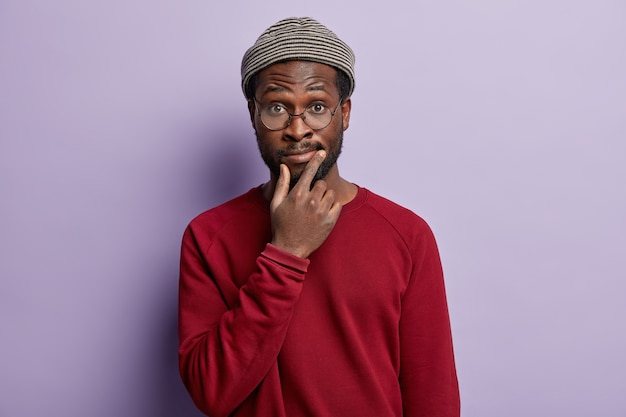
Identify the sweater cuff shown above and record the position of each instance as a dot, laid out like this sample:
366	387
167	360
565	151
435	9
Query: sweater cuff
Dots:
285	259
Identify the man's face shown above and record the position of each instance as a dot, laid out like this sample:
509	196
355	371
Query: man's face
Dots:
296	85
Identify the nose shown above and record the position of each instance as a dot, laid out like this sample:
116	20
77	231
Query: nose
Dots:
297	129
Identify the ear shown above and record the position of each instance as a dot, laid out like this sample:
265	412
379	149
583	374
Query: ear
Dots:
346	107
251	109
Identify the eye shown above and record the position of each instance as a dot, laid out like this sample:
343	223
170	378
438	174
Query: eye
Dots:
317	108
276	109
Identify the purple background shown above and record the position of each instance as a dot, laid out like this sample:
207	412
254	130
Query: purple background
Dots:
501	122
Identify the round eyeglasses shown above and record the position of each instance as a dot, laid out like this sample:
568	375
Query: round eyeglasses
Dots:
276	116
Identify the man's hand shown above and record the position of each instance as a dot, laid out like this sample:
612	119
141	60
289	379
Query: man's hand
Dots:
303	218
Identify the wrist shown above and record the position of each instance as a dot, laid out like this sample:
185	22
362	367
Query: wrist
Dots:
293	250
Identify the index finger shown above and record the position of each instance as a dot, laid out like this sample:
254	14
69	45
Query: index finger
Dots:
311	168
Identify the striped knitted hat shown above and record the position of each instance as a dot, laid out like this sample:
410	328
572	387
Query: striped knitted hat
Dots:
294	39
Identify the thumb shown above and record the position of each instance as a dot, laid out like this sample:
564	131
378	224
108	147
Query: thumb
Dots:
282	186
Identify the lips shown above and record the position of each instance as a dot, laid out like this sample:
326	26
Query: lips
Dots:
299	157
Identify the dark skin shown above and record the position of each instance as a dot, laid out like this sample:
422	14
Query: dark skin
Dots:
303	217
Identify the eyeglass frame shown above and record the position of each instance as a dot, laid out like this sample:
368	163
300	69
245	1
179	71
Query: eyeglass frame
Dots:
291	115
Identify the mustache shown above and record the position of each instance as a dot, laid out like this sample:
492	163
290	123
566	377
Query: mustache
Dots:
300	148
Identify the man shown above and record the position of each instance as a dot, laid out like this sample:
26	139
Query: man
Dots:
310	295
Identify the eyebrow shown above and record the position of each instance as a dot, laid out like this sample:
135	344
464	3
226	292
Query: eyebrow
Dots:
319	87
274	89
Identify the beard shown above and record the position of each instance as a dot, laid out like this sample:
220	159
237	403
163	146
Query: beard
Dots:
273	157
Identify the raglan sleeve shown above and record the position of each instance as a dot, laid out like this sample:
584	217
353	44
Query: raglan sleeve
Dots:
428	377
226	350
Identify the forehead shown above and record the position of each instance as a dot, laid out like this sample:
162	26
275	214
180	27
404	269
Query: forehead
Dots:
297	77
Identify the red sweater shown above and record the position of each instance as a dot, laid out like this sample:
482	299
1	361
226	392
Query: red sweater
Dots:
360	328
